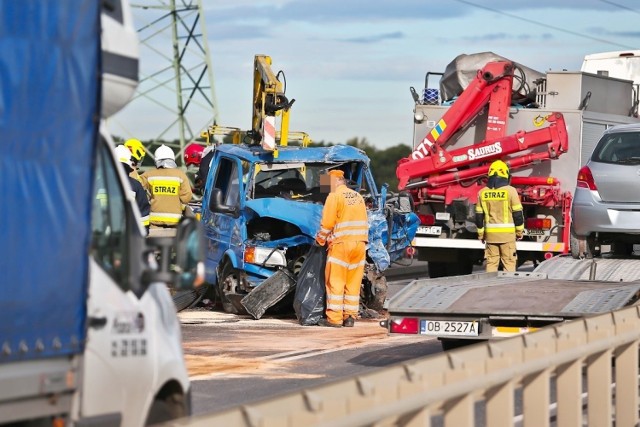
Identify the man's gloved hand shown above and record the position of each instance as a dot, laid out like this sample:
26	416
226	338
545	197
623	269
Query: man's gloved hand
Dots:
519	235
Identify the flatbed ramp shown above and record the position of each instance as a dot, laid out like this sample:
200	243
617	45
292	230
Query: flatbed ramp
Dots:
557	290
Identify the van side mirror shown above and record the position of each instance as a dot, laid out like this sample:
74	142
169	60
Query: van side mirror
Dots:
189	254
216	205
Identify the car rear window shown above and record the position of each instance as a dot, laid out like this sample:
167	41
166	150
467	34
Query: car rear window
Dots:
618	148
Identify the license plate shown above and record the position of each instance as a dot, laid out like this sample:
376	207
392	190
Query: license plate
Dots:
449	327
433	230
533	232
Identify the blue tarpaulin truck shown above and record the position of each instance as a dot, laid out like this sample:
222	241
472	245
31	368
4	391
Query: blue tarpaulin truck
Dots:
88	330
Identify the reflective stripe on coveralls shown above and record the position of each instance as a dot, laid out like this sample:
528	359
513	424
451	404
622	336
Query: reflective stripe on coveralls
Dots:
169	191
343	279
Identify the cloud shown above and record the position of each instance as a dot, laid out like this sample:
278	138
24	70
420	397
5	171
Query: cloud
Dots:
374	38
340	11
236	32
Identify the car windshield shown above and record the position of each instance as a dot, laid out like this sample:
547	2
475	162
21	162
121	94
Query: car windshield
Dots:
618	148
299	181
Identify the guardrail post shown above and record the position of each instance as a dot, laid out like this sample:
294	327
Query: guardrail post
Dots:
535	387
500	404
500	400
627	370
599	408
569	376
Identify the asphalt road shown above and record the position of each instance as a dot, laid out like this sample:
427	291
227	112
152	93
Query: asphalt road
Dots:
235	359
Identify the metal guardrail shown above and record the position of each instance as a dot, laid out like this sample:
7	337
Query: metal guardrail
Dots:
588	354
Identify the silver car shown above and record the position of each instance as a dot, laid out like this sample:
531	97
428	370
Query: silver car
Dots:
606	204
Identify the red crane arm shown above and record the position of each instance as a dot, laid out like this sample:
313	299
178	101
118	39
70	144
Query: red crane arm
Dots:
555	135
493	85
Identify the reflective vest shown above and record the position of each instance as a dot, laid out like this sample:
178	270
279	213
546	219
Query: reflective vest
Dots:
498	205
169	191
344	217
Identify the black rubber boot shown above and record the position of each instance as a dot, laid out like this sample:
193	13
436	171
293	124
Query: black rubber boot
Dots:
349	322
325	322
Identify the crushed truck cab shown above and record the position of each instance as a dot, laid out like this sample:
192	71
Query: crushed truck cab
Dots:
261	211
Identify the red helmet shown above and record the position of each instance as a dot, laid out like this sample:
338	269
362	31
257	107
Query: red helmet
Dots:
193	154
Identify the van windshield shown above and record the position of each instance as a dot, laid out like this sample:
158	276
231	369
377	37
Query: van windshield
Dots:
298	181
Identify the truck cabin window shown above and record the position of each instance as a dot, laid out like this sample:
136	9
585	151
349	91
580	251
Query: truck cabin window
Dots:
108	224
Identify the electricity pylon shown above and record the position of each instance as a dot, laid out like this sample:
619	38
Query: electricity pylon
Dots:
176	95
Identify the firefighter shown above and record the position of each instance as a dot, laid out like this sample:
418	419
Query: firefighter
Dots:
344	227
169	188
124	156
499	218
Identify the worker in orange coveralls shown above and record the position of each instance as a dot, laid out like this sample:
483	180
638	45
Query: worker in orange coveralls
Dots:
345	228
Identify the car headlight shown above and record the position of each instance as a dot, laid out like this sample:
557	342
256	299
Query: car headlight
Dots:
272	257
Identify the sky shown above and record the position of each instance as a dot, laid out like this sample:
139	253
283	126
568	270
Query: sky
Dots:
349	64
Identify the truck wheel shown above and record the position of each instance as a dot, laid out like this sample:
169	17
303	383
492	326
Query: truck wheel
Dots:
166	409
228	282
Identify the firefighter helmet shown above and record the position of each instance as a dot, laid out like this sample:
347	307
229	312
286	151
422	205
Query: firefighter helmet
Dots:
499	168
136	148
123	154
193	154
164	153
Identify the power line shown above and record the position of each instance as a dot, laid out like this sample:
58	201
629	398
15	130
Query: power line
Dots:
530	21
620	6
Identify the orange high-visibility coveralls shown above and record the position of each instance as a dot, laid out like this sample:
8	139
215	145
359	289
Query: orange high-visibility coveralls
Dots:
345	227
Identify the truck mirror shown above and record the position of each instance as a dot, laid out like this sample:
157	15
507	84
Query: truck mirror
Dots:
189	254
215	203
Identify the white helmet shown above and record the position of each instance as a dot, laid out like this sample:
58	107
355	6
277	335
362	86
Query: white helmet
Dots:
123	154
164	153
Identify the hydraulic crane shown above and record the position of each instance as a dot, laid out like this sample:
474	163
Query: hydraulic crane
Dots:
431	169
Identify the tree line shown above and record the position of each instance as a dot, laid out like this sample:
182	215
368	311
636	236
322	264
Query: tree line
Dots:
383	161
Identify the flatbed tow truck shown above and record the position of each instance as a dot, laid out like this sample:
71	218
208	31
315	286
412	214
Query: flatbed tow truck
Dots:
486	306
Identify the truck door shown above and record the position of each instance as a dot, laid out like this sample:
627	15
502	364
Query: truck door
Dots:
118	372
224	230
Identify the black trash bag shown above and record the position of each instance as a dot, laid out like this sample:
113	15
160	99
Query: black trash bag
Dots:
308	301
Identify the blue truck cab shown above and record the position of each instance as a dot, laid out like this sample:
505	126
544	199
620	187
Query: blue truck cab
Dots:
261	211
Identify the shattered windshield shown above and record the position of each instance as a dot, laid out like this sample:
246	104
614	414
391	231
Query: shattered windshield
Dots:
298	181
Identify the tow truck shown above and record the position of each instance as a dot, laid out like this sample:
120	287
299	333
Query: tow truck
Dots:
262	206
483	306
544	129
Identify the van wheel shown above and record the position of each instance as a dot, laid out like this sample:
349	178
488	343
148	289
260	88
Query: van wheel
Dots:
376	294
166	409
228	283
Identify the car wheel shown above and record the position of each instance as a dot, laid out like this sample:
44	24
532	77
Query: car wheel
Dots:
228	282
577	246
